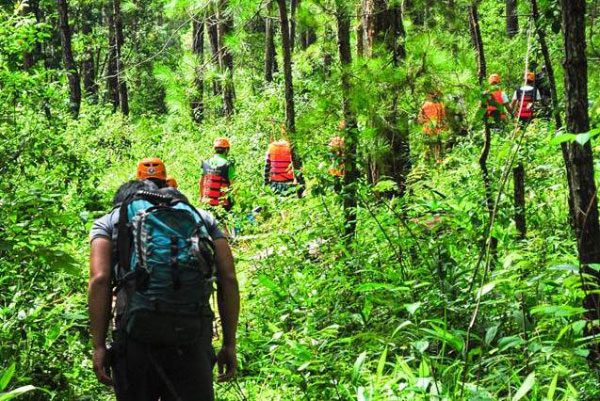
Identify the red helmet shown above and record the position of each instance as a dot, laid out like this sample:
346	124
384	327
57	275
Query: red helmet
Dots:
222	143
171	182
151	167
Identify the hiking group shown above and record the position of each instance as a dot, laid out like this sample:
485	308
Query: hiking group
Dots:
528	101
154	263
156	259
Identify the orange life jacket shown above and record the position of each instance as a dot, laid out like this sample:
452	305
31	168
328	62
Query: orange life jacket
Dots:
215	182
280	159
529	97
497	95
434	114
337	163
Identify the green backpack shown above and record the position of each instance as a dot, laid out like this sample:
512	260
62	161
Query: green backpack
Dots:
165	270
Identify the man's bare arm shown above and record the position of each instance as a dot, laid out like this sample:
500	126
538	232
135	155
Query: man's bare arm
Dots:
99	301
229	307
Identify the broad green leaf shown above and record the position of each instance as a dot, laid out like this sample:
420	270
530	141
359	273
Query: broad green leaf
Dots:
525	387
16	392
582	139
557	140
485	289
358	366
6	376
381	364
552	388
386	185
412	308
421	345
490	334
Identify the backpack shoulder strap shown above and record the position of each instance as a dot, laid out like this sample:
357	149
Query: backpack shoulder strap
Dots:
124	238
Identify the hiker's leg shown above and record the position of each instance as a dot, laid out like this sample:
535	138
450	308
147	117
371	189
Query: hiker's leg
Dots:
134	378
189	369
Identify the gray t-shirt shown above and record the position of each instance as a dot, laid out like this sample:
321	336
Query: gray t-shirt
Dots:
104	226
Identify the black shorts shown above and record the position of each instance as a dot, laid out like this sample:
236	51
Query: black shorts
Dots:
143	372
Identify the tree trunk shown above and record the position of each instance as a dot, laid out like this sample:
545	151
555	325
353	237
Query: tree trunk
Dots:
360	32
481	73
519	198
290	112
112	81
269	45
383	29
89	72
118	20
225	28
30	58
328	37
198	50
351	128
512	19
308	37
293	10
554	95
580	163
68	59
213	38
477	42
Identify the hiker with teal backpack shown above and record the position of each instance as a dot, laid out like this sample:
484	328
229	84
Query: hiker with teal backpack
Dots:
161	257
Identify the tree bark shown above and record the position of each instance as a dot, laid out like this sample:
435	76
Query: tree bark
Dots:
269	45
360	32
351	128
68	59
112	81
554	96
198	50
119	38
293	9
580	163
213	37
308	37
519	198
31	57
384	30
225	28
290	112
512	19
481	73
477	42
88	67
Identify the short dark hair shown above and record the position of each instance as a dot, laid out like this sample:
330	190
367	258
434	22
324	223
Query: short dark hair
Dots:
175	194
158	182
130	188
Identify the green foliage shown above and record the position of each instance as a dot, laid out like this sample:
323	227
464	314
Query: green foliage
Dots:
389	316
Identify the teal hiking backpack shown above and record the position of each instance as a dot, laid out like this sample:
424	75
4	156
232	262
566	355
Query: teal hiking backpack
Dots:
165	270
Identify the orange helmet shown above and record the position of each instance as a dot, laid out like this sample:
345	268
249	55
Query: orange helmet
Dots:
222	143
151	167
494	79
530	76
171	182
337	142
